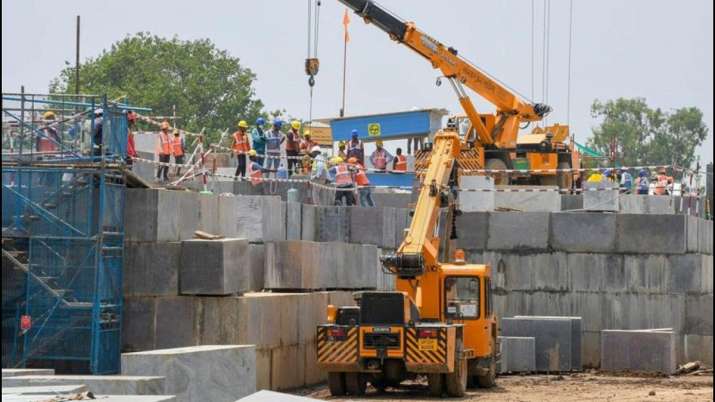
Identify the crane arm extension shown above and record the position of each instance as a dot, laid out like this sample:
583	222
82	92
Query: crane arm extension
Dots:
447	60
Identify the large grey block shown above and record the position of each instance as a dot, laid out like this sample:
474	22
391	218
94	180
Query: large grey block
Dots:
212	373
44	390
138	325
394	223
326	223
209	214
576	342
602	200
98	384
548	201
15	372
256	266
705	236
632	204
260	218
151	268
571	202
366	225
636	311
518	231
472	230
553	340
293	220
528	272
638	350
651	234
176	322
583	232
686	273
476	201
518	354
647	273
660	205
698	347
160	215
698	315
692	227
398	199
215	267
596	272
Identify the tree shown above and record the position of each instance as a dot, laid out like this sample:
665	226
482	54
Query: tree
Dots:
645	136
209	87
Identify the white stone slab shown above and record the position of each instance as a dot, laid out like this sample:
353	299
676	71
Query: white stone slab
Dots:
99	384
272	396
50	389
8	372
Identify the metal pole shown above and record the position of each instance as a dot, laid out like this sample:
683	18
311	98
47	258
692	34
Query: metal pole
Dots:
76	61
345	59
22	117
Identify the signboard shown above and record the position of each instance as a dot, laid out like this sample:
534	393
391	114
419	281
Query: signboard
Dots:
374	130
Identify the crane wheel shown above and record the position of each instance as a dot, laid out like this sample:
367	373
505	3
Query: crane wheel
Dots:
336	384
435	382
456	382
498	164
490	379
355	384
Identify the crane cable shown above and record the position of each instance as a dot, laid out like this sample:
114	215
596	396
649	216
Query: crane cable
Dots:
312	64
545	59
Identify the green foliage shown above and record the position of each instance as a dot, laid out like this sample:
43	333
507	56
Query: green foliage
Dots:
209	87
646	136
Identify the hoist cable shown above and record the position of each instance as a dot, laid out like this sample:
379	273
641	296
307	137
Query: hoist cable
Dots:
568	80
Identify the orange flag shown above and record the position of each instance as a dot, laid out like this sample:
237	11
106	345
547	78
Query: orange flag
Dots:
346	22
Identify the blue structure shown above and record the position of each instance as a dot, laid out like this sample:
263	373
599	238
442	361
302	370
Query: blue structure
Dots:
388	126
63	233
389	179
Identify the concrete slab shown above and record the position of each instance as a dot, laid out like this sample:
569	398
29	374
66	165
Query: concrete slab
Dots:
576	342
660	205
333	224
518	231
215	373
705	236
392	199
583	232
176	322
685	273
473	230
571	202
215	267
272	396
293	220
138	324
604	200
528	272
638	351
287	376
99	384
394	223
699	347
666	234
553	340
256	266
646	273
518	354
104	398
151	268
366	225
596	272
698	315
46	390
256	218
12	372
476	201
549	201
632	204
209	213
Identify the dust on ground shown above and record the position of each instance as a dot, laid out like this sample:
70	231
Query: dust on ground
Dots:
556	388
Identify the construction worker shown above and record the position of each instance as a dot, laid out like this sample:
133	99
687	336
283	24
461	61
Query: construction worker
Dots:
341	150
241	147
661	182
163	149
399	164
307	144
131	144
318	173
356	149
626	181
97	132
642	182
178	148
255	169
274	140
293	146
49	141
362	182
380	157
342	177
258	137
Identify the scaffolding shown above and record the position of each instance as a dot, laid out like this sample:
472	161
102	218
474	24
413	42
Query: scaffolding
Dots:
63	186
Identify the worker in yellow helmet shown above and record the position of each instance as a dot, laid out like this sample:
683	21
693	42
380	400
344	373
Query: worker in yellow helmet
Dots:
255	169
293	147
50	140
240	147
342	176
341	150
380	158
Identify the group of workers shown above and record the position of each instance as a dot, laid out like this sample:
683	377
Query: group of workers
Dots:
85	132
169	145
622	177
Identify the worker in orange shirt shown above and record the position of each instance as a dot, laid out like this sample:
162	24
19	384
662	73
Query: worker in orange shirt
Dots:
255	169
661	182
380	158
399	164
343	180
178	149
163	149
362	182
240	147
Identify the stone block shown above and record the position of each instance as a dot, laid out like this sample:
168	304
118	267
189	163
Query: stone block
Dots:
553	340
698	315
596	272
209	214
214	373
707	273
332	224
51	390
272	396
98	384
518	354
219	321
548	201
366	225
397	199
313	374
651	234
138	325
576	341
638	351
263	368
256	266
685	273
636	311
16	372
583	232
151	215
601	200
312	309
151	268
591	349
394	223
228	215
476	201
473	230
293	220
570	202
698	347
660	205
176	322
705	236
267	320
518	231
632	204
528	272
646	273
287	367
308	224
215	267
260	218
692	242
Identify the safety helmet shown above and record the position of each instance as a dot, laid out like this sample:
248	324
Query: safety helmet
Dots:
643	173
315	149
176	131
242	124
306	133
295	125
378	143
252	152
354	133
341	144
98	111
49	115
260	122
352	159
165	125
277	123
337	160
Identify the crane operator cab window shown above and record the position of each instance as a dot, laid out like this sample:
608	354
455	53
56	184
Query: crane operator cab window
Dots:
462	297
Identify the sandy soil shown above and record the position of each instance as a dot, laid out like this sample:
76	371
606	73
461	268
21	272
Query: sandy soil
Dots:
574	387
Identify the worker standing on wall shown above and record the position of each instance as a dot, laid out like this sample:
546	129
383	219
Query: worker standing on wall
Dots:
307	143
131	145
399	164
293	146
50	141
344	184
240	148
661	182
163	149
626	181
380	158
274	140
255	169
362	182
178	148
341	150
356	149
98	132
642	182
258	137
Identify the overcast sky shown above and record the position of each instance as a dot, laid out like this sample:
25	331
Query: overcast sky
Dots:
661	50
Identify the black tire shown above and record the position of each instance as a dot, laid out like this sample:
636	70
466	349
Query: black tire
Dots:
456	382
436	384
489	380
498	164
355	384
379	385
336	384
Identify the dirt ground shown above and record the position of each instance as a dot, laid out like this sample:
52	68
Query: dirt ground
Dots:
573	387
